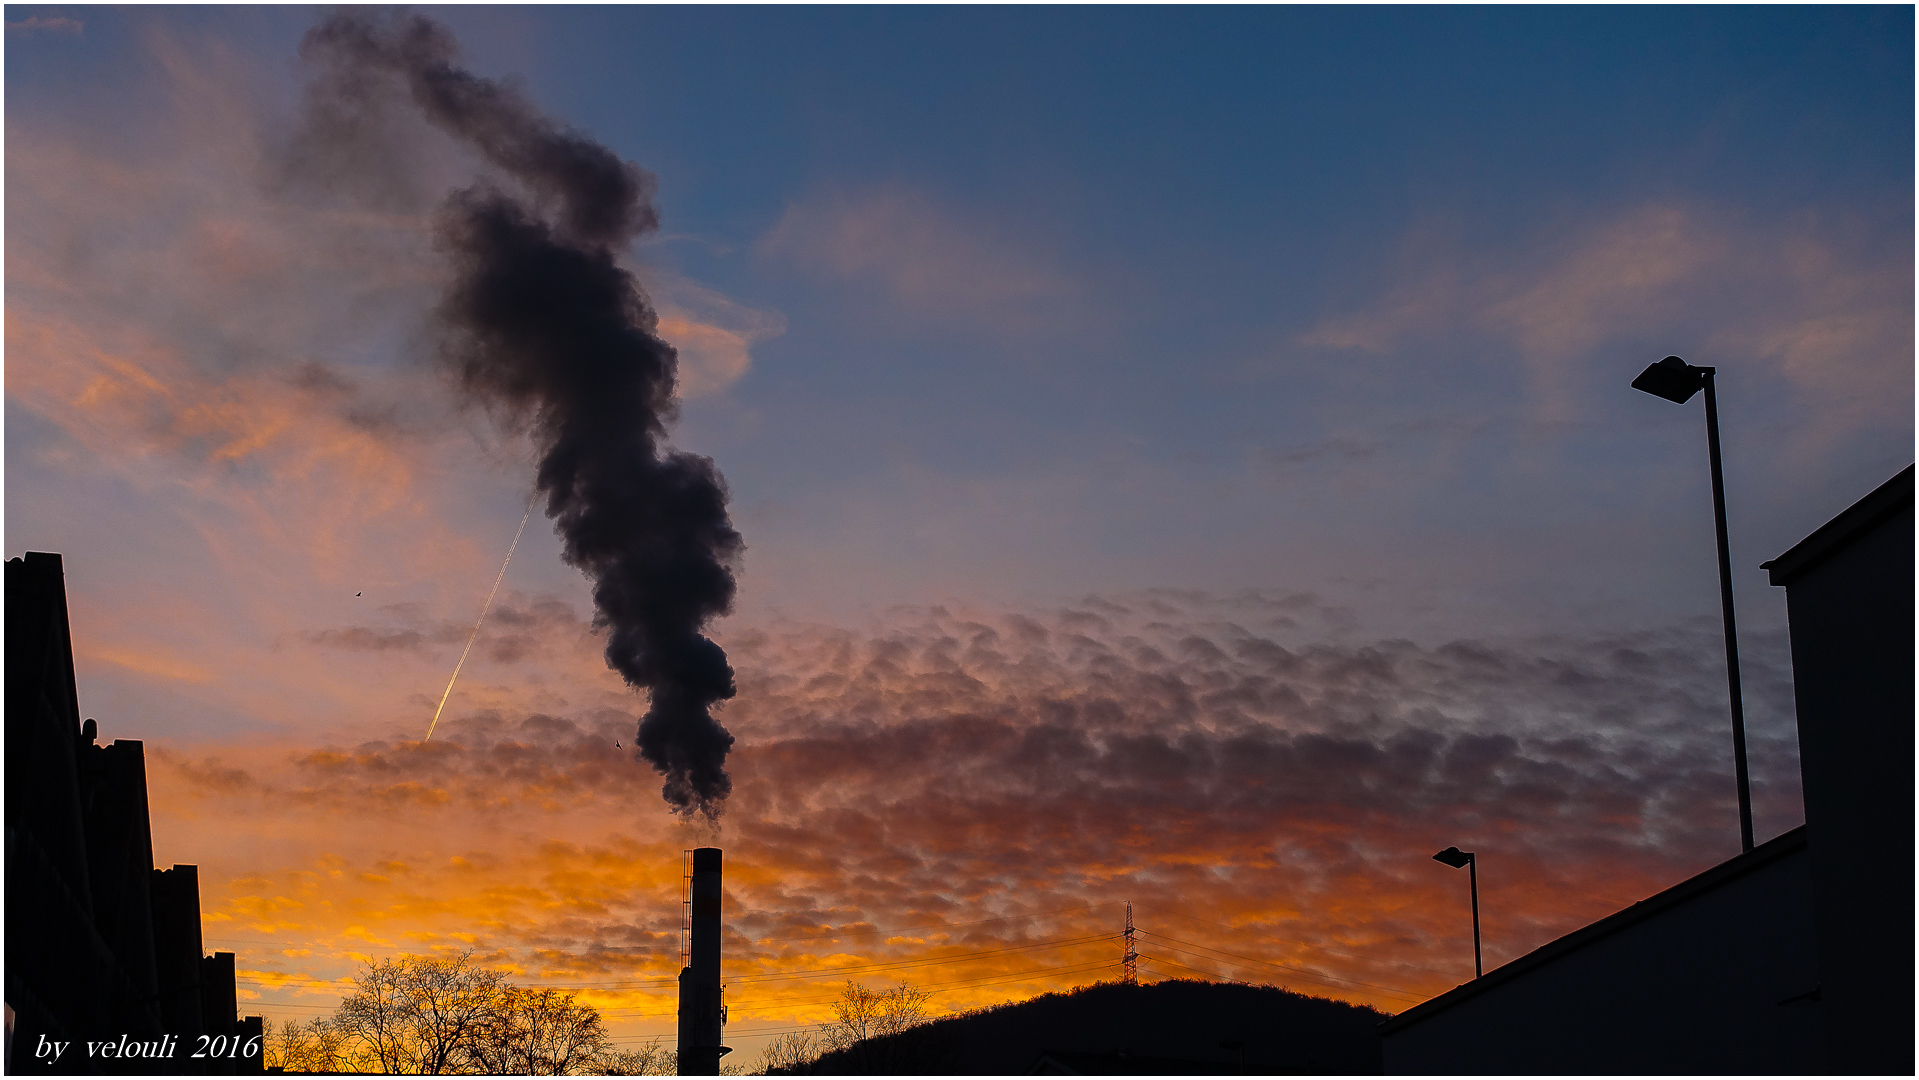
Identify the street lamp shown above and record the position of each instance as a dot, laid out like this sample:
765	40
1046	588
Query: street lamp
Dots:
1677	381
1456	858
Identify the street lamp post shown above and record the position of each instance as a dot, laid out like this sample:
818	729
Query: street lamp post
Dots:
1677	381
1456	858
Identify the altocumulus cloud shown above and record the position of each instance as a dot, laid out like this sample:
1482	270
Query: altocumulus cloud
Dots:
1203	757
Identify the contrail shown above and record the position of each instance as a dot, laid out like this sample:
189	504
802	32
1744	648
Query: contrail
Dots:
484	608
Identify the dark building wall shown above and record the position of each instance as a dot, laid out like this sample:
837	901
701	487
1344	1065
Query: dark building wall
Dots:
251	1029
218	1005
1684	989
176	948
43	723
63	978
1849	597
113	797
1689	981
99	944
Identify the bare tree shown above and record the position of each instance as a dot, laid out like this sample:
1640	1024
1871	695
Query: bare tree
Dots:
792	1052
872	1014
877	1032
446	1015
538	1032
421	1015
653	1059
314	1047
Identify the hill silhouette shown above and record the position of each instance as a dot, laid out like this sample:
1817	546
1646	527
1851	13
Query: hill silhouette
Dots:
1181	1021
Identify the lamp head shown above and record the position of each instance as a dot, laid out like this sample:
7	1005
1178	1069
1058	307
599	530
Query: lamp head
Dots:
1672	379
1455	858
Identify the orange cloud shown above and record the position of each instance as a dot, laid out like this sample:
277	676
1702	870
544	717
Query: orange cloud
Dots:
713	334
965	800
163	666
304	464
206	324
204	314
1809	296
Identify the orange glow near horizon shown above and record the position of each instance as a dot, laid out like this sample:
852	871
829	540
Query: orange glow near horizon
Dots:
963	802
1114	535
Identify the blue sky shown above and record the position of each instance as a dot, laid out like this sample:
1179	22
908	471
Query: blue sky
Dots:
1055	283
1319	321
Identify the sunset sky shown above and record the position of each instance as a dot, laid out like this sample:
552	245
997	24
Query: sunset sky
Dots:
1185	457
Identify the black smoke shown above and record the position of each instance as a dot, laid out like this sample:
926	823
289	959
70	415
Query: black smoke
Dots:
543	326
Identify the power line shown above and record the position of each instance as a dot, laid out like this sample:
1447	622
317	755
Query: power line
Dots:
955	984
670	981
1333	981
944	987
1016	976
773	976
765	1032
1327	980
1211	975
1169	975
766	941
338	985
823	973
939	988
953	958
642	985
1282	967
940	926
853	969
1307	944
837	934
1064	969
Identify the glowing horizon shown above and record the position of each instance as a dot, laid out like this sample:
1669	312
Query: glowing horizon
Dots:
1202	473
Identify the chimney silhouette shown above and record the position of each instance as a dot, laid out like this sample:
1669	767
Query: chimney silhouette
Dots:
700	1012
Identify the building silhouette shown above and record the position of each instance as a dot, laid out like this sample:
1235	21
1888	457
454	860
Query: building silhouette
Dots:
101	947
1794	957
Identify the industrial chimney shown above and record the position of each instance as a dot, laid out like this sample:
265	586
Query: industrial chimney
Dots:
700	1012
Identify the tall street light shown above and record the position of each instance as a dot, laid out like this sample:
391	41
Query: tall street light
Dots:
1677	381
1456	858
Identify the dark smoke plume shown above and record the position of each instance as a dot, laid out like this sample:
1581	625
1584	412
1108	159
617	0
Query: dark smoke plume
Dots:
543	326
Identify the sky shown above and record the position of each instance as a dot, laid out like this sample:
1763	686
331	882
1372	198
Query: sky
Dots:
1184	456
